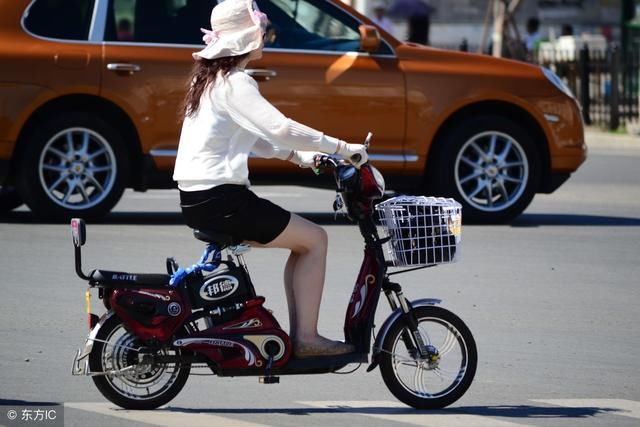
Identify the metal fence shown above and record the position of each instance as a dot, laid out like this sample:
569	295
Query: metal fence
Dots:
606	82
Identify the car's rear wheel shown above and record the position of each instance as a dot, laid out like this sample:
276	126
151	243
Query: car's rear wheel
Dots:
490	165
75	165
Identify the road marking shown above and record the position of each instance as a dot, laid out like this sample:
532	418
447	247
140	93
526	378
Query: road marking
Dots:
625	408
400	413
161	417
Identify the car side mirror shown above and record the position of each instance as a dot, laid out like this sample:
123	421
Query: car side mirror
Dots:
78	232
369	38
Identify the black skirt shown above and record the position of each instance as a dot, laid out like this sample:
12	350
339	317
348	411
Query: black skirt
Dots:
234	210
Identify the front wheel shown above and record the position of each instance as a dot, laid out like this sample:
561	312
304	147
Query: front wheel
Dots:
491	165
443	374
133	382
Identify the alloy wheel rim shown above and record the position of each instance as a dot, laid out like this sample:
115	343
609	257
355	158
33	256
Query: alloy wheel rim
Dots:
77	168
491	171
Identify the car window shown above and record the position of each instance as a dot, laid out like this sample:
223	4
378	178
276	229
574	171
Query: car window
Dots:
60	19
311	25
158	21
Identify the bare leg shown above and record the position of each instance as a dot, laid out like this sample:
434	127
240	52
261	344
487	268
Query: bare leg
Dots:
288	287
304	281
305	268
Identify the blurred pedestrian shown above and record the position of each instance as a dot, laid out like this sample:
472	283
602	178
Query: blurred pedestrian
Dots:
124	30
418	15
380	17
533	37
567	30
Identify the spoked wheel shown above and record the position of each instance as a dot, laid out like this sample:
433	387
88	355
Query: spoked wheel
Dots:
134	380
444	374
491	165
77	165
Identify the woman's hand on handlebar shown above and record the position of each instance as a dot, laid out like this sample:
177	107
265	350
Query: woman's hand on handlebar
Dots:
356	154
307	159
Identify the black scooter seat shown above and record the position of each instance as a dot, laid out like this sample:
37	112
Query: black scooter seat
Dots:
120	279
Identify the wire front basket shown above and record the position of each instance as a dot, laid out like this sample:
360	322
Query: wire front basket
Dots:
423	230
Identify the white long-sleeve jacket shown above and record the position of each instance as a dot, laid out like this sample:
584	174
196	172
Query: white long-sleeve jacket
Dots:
233	120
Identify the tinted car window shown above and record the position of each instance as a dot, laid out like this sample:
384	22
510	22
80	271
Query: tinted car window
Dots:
311	25
158	21
60	19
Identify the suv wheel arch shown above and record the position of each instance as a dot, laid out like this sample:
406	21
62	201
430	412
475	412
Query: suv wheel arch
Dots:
516	121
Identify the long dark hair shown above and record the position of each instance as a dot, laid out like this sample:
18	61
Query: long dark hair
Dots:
204	72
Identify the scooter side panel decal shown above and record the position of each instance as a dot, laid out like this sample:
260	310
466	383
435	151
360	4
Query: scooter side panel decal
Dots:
218	342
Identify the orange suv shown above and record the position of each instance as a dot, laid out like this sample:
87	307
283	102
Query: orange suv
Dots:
90	93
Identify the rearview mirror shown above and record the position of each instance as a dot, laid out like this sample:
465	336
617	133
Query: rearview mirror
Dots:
78	232
369	38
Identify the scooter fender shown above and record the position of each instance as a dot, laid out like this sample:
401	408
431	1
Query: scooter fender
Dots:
81	360
377	346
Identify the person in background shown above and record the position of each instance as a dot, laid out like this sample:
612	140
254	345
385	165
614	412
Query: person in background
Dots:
418	16
380	17
225	120
533	34
124	30
567	30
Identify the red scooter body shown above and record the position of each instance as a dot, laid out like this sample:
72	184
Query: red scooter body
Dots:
247	341
150	313
363	302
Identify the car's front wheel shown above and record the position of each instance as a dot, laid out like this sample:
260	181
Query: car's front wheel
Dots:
489	164
75	164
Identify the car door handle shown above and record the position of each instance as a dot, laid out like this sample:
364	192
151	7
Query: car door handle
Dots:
123	68
261	74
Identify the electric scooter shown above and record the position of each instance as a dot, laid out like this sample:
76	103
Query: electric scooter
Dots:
160	327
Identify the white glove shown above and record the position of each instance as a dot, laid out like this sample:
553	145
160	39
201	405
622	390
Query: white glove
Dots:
348	151
305	159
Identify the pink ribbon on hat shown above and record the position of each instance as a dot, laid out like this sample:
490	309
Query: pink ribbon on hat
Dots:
209	36
262	17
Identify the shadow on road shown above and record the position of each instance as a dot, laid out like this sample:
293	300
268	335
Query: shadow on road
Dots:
327	218
537	220
13	402
507	411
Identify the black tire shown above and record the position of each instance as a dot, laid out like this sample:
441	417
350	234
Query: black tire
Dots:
440	329
494	187
105	357
9	201
73	165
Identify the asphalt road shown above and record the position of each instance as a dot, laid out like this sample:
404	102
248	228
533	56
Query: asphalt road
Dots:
552	300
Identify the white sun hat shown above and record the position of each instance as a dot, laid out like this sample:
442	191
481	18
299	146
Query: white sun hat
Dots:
237	27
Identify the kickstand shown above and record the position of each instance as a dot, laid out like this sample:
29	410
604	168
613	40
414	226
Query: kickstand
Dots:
268	378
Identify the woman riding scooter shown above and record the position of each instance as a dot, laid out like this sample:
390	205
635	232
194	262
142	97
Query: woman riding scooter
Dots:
225	119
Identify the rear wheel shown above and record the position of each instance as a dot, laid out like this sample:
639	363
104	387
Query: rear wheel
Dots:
135	383
490	165
444	374
76	165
